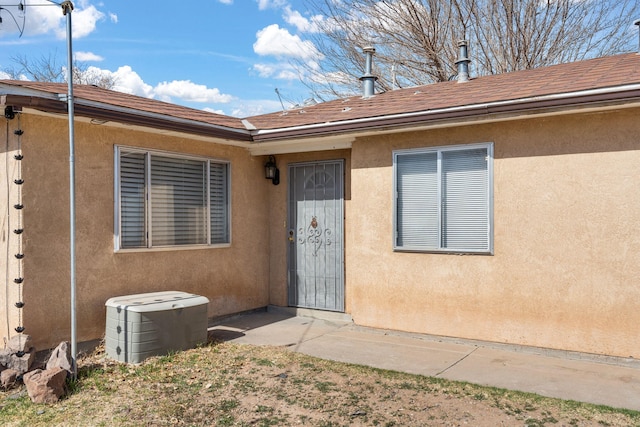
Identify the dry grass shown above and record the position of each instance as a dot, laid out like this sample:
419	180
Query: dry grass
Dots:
240	385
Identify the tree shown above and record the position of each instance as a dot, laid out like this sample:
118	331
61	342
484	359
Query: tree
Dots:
416	40
47	68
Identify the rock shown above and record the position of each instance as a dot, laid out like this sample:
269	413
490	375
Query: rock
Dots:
46	386
5	357
61	356
20	343
21	364
8	378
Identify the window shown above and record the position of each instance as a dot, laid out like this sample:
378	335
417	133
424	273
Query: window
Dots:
444	199
168	200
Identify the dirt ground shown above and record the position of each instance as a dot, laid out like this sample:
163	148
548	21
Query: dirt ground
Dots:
238	385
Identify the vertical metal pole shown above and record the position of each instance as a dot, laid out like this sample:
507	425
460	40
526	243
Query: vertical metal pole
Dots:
637	22
67	7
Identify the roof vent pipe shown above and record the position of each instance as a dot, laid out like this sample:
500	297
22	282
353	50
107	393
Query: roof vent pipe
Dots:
637	22
463	61
368	80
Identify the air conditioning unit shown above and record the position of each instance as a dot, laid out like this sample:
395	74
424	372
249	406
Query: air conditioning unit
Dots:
153	324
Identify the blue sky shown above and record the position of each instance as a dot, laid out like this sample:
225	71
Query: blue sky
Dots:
226	56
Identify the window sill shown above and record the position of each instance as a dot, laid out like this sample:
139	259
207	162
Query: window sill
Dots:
173	248
444	251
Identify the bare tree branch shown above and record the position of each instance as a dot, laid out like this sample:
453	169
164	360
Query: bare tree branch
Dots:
416	40
47	68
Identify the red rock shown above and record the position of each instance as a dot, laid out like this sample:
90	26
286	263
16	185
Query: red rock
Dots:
46	386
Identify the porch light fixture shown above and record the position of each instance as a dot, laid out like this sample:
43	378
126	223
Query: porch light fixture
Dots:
271	171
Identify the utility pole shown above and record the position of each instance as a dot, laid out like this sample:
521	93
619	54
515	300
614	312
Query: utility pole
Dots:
67	8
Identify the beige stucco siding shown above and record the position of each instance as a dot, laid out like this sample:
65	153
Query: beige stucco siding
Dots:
234	278
566	268
564	273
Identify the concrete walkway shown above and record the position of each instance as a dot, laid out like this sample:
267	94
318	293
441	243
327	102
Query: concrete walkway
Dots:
573	376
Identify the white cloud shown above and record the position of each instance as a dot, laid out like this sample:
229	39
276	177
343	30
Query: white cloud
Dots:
265	4
280	71
42	20
264	70
4	75
188	91
51	20
83	23
295	18
211	110
128	81
248	108
88	56
276	41
113	17
288	75
226	1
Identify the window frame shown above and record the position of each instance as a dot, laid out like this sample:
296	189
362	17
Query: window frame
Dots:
148	214
438	150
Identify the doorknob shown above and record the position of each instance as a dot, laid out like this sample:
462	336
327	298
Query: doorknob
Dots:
291	233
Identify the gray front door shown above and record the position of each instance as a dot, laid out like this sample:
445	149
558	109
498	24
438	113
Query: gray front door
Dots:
316	245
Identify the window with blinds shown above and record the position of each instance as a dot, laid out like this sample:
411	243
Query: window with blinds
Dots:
168	200
444	199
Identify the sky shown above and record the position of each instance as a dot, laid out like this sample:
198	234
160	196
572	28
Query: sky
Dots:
224	56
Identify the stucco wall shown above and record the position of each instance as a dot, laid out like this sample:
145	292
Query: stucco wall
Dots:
566	268
234	278
566	214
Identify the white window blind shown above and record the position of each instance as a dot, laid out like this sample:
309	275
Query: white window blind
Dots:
132	200
465	210
417	203
218	194
178	202
168	200
444	199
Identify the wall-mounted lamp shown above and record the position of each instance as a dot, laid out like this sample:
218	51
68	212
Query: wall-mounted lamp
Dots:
271	171
9	113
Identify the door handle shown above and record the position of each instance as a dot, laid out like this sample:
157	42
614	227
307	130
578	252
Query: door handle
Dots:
291	233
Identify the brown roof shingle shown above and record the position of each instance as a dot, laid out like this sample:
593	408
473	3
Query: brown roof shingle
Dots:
119	99
530	85
564	78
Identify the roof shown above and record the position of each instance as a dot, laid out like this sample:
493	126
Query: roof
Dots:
595	81
104	104
599	73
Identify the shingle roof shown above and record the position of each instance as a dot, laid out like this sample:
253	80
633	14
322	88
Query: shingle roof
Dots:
607	74
119	99
564	78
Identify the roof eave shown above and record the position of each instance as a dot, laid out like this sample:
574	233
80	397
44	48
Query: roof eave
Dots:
106	112
543	104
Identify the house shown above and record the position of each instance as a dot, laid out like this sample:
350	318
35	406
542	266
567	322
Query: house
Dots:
505	208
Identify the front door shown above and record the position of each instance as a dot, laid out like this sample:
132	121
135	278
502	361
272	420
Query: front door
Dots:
316	245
